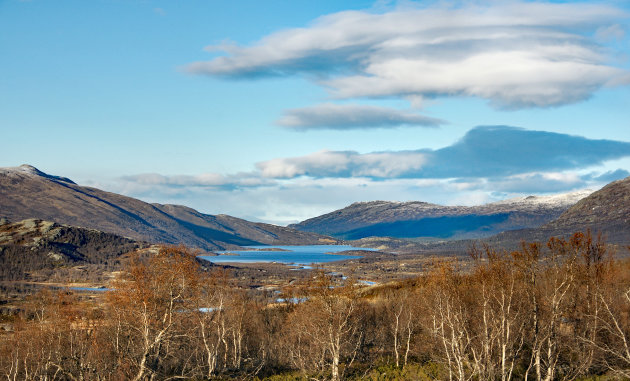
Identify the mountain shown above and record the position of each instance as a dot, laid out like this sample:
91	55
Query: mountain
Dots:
606	211
424	220
26	192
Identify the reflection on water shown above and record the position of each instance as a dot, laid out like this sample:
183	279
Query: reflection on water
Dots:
299	255
100	289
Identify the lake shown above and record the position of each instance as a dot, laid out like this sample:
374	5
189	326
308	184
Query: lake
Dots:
90	289
298	255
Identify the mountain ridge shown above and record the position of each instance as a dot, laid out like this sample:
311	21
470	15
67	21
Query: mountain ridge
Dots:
413	219
605	212
26	192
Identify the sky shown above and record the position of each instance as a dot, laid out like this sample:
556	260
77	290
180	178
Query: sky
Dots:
278	111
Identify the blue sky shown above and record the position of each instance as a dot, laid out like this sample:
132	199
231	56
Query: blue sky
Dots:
283	110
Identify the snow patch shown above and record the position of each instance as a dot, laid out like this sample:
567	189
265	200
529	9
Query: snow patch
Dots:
556	200
29	170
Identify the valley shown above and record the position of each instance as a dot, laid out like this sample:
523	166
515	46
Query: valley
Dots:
38	212
382	262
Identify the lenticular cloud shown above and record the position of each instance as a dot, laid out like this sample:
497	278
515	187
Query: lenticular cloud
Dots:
485	151
346	117
514	54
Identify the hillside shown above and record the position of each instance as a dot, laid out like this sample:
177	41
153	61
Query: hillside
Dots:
35	249
26	192
424	220
606	211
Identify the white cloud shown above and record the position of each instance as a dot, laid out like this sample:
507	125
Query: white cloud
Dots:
509	79
610	32
515	54
346	117
548	182
344	164
388	164
508	157
487	151
215	180
609	176
320	162
487	164
298	199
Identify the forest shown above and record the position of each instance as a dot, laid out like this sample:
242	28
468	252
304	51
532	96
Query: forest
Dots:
553	311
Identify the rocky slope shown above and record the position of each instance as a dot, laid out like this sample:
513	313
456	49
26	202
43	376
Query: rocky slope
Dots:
421	219
606	211
26	192
35	249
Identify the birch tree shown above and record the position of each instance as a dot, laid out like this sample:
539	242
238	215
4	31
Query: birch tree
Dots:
149	303
326	330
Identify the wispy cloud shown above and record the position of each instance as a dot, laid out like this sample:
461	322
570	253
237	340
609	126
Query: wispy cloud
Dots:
549	182
609	176
514	54
610	33
345	164
488	163
304	197
207	180
348	117
499	154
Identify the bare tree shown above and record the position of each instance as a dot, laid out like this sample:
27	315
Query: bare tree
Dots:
499	310
149	302
326	329
400	310
447	320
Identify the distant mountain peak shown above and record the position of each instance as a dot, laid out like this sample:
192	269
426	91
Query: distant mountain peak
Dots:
561	199
609	205
30	170
28	193
414	219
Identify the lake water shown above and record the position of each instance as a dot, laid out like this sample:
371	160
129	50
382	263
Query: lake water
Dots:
298	255
91	289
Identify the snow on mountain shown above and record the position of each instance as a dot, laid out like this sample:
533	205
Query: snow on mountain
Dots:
421	219
557	200
29	170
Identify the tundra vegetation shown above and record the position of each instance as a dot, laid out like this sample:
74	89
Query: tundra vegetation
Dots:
558	311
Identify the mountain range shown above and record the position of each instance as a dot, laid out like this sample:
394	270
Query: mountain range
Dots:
424	220
606	211
26	192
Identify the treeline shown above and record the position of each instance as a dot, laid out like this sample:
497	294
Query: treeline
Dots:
554	312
